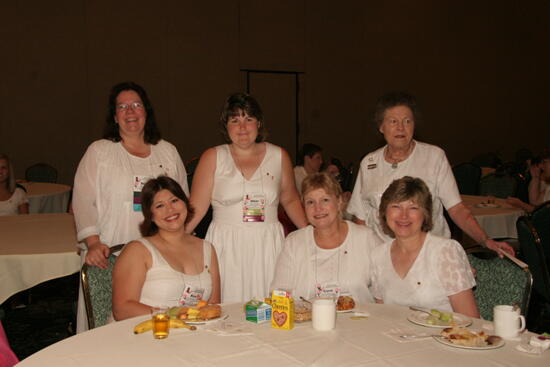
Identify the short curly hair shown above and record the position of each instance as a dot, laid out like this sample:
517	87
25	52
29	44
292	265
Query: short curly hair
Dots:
403	189
151	188
237	104
395	99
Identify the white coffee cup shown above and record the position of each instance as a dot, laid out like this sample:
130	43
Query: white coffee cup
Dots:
508	322
323	314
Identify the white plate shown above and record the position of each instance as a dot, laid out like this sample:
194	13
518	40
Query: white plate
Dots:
445	341
420	318
487	205
223	316
345	311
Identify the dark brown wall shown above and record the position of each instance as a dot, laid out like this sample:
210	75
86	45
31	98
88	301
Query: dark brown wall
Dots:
480	71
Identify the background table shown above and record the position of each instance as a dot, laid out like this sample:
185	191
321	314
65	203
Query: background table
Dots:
47	197
35	248
497	222
352	343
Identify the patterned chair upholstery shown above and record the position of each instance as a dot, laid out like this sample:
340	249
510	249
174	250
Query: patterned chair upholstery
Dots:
41	172
499	281
97	289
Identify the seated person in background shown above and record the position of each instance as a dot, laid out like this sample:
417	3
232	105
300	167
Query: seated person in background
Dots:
329	257
539	186
310	160
167	267
337	170
418	268
13	200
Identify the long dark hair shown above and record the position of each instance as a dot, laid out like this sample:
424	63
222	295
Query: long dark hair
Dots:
151	131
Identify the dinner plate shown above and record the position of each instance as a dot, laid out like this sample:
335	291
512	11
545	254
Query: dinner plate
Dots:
345	311
420	318
446	341
223	316
487	205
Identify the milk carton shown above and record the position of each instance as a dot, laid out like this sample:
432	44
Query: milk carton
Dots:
257	311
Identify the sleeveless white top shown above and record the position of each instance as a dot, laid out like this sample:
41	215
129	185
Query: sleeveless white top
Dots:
164	286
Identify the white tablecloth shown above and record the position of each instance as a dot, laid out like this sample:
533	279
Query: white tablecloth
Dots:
497	222
352	343
35	248
47	197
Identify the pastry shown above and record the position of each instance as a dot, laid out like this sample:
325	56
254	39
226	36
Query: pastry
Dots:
345	303
210	312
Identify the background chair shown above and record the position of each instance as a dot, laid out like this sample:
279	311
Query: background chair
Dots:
97	289
41	172
505	281
533	253
467	176
499	185
489	159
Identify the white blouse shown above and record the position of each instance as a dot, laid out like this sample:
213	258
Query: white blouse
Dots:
440	270
11	206
103	188
302	264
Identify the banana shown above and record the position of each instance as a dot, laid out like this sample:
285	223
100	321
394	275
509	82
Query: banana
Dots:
177	323
143	327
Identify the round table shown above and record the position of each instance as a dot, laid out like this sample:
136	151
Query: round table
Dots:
498	220
364	342
47	197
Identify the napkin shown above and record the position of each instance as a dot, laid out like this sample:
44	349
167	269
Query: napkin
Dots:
396	333
229	328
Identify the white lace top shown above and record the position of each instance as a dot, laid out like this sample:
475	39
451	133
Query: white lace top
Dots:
440	270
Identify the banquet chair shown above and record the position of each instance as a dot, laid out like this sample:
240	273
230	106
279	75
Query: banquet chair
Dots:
467	176
498	185
97	289
505	281
41	172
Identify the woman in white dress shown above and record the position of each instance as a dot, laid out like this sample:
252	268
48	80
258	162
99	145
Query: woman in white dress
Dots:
395	116
330	257
13	200
167	267
418	268
244	181
110	176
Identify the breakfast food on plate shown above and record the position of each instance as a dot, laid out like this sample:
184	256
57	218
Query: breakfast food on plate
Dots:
201	312
439	318
210	312
302	312
147	325
465	337
345	303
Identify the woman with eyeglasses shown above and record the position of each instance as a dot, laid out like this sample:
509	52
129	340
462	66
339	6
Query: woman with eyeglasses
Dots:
111	175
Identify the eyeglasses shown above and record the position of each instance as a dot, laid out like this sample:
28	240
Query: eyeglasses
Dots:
125	107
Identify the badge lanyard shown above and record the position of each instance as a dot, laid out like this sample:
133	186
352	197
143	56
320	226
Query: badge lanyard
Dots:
329	290
192	294
253	203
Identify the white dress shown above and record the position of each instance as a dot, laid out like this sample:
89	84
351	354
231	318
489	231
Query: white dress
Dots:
299	175
103	195
164	286
247	251
440	270
302	265
11	206
427	162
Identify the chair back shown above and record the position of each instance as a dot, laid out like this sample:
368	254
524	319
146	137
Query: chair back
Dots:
505	281
467	176
533	253
501	186
97	289
41	172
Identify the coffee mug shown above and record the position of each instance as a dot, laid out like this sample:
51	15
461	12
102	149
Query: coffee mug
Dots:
323	314
508	322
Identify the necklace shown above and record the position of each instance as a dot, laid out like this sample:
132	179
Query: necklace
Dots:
396	161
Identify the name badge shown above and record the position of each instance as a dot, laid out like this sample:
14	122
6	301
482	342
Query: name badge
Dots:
137	187
191	295
371	166
329	290
254	208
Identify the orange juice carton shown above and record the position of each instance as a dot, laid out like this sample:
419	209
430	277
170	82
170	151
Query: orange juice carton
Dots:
282	303
257	311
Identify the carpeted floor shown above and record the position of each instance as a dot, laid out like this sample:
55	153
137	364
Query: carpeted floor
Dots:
48	316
